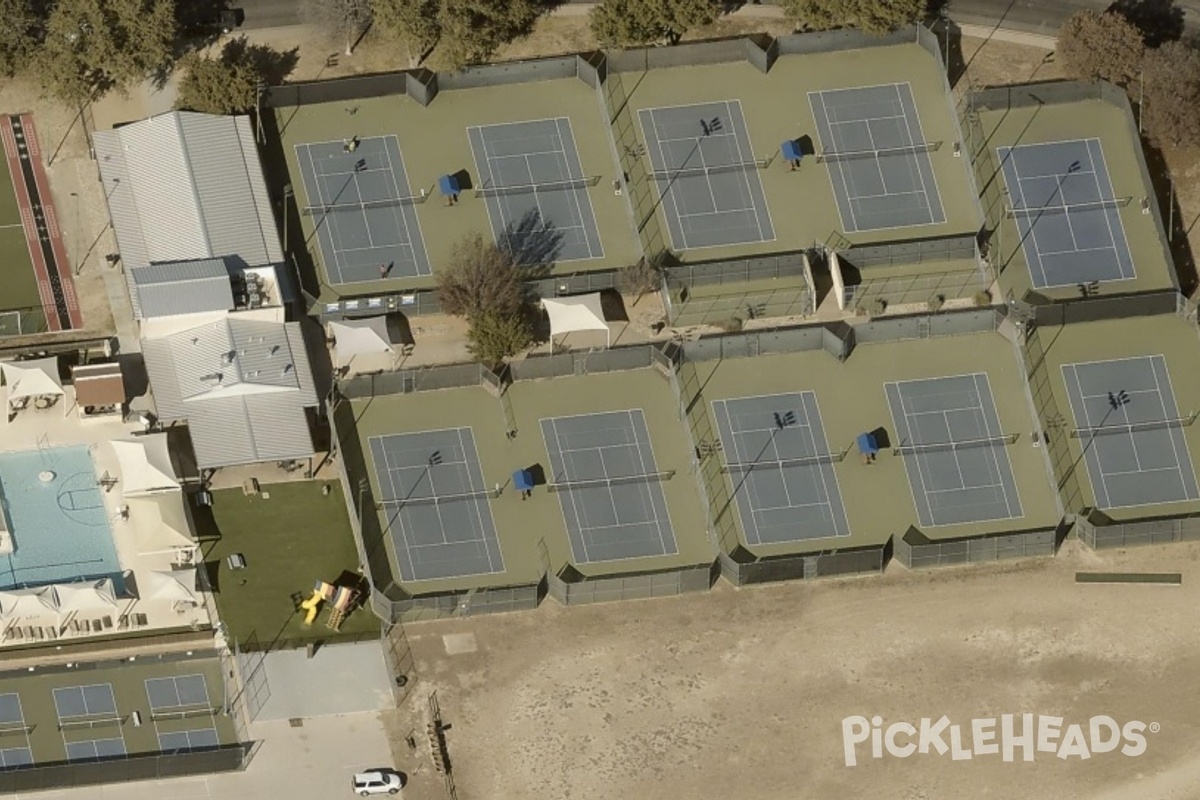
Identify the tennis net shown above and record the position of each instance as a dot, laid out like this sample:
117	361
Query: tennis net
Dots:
688	172
651	477
69	724
1133	427
853	155
1119	202
182	713
804	461
531	188
310	211
905	448
438	499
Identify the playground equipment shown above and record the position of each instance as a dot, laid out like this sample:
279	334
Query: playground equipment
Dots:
343	604
322	591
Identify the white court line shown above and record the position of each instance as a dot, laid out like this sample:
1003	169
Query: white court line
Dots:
1101	485
476	502
325	218
579	520
483	181
1162	404
875	158
997	451
574	194
746	175
915	163
1120	219
399	213
664	191
920	474
852	227
647	468
1030	227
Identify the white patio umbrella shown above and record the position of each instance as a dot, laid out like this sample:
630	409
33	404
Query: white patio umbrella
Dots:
23	603
177	585
84	598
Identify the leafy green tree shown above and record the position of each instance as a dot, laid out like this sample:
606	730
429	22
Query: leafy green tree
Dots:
93	46
413	23
1104	46
623	23
1171	102
21	29
229	84
346	20
491	338
479	279
873	16
473	30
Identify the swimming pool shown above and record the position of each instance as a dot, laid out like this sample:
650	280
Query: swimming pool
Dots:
54	509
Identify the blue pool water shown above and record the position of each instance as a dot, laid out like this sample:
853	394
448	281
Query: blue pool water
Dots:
60	529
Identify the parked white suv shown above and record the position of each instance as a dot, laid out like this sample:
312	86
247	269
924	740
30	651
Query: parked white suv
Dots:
377	782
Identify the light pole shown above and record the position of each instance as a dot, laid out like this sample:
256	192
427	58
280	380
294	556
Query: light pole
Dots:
287	194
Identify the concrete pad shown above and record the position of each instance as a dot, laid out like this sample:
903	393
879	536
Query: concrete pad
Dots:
340	679
458	643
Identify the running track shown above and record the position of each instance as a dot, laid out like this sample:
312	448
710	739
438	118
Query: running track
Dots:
55	284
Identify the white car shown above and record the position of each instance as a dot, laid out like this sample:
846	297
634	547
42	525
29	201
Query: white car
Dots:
377	782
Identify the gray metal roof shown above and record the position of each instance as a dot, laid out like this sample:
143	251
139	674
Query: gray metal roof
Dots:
183	287
241	385
184	186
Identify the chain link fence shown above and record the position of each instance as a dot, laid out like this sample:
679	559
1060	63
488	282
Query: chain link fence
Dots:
917	551
1101	533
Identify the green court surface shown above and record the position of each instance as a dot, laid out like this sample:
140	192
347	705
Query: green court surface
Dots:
522	524
291	539
850	394
433	142
36	724
1166	335
776	109
1060	122
16	269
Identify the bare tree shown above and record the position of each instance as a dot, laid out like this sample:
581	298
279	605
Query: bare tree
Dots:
480	278
1171	102
345	19
1101	45
413	23
873	16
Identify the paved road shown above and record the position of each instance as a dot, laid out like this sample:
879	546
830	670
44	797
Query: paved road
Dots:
270	13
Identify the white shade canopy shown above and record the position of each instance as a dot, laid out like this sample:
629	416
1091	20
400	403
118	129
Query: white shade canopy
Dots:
582	312
145	465
354	337
160	524
37	378
19	603
85	597
177	585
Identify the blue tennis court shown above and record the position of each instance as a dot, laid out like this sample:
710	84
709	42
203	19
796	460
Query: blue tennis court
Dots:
363	209
435	500
954	450
609	486
1131	432
879	163
1066	213
533	184
781	468
707	175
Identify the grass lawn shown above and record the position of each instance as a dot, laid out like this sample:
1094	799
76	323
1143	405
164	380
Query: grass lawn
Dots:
290	540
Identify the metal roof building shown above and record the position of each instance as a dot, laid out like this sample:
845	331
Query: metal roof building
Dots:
242	385
184	186
182	287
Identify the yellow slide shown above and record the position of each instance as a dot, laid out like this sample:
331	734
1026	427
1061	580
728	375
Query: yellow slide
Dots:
321	591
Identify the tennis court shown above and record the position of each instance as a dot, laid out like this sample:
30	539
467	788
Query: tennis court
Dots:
1066	212
15	749
536	193
1131	431
706	173
435	499
181	703
87	719
954	450
609	486
878	157
780	468
363	209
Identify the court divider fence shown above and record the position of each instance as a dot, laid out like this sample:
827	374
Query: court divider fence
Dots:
139	767
1100	532
688	299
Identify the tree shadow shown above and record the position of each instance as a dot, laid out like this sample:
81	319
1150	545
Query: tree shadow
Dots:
533	244
1159	21
273	65
1176	226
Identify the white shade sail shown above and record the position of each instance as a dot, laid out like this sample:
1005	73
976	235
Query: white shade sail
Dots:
177	585
582	312
145	465
360	337
22	603
38	378
90	596
160	523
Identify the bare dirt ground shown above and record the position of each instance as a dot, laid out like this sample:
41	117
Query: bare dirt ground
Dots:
742	693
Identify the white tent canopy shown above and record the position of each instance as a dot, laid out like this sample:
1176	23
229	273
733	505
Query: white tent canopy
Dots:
160	524
581	312
24	603
358	337
82	598
176	585
145	465
37	378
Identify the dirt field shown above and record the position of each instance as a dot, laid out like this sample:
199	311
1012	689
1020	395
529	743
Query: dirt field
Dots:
742	693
